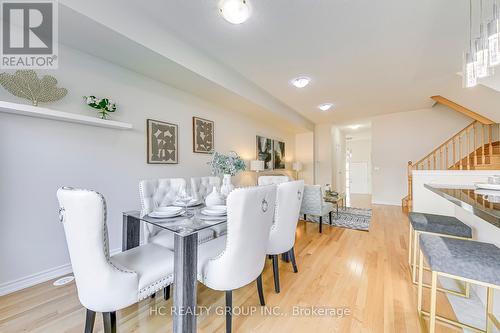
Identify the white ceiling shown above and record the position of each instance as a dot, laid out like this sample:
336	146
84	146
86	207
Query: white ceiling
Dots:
368	57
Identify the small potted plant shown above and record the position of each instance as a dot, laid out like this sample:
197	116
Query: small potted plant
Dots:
103	105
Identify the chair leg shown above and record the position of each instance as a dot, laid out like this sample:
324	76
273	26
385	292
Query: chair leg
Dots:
330	216
229	310
321	224
414	254
260	290
305	217
109	320
291	254
89	321
153	296
166	293
285	257
276	273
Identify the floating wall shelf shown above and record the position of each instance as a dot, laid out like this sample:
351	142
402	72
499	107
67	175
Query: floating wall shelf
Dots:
35	111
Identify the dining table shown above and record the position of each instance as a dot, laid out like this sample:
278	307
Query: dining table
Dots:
185	229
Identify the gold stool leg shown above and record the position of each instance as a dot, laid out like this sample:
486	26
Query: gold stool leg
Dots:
415	246
489	311
432	319
420	282
409	245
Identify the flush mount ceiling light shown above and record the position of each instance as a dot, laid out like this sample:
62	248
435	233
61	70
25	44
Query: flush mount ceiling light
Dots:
235	11
301	81
354	127
325	106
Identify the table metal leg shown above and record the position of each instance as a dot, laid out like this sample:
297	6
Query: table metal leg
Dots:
131	232
185	281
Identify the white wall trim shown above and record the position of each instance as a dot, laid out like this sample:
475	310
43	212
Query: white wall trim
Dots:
390	203
33	279
40	277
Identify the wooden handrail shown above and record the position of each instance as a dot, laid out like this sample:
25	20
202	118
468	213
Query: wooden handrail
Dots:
446	142
462	109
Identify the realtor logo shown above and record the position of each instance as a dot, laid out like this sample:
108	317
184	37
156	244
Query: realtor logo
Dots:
29	35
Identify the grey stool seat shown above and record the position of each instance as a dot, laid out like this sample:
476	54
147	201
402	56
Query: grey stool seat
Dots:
465	258
439	224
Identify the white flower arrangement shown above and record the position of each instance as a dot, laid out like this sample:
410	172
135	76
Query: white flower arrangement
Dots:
229	164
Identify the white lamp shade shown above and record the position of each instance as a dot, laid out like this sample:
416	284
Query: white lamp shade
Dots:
297	166
256	165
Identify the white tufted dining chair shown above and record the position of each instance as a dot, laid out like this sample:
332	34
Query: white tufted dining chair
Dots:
163	192
272	180
286	216
313	204
236	259
202	186
107	283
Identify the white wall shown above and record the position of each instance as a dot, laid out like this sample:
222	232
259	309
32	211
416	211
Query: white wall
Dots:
407	136
323	154
361	150
304	153
38	156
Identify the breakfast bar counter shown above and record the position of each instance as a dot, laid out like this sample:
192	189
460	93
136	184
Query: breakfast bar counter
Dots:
465	196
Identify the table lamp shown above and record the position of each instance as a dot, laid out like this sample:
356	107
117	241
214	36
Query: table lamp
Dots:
297	167
257	165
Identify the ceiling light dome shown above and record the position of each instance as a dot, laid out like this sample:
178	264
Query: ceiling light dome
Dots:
235	11
301	81
325	106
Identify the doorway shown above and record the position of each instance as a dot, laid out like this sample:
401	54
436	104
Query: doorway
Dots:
358	178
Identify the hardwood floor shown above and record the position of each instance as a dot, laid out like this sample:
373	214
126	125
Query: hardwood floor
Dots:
364	273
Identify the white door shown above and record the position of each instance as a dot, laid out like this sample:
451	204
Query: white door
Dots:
358	177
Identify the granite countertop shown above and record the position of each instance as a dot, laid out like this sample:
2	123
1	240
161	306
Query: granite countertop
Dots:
466	197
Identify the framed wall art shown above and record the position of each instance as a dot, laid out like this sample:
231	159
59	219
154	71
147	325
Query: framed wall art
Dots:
264	151
162	141
203	135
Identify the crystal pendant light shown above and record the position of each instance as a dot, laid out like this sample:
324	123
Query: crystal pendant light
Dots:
481	50
494	37
469	69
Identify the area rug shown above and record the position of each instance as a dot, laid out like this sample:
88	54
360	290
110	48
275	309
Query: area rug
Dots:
350	218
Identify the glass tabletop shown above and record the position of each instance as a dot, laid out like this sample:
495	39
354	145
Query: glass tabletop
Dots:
182	225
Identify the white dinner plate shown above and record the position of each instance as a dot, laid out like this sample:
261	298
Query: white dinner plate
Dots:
487	186
210	212
168	210
192	203
158	215
211	219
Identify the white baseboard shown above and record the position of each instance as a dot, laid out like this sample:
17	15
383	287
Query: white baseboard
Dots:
390	203
40	277
33	279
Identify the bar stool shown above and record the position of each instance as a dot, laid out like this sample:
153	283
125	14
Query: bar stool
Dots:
463	260
441	225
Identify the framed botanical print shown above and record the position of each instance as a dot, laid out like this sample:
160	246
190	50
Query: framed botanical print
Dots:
264	151
162	140
203	135
279	154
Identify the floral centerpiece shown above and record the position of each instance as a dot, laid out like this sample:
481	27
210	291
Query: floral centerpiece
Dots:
103	105
227	165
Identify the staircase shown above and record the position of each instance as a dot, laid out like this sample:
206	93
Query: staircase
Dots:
476	147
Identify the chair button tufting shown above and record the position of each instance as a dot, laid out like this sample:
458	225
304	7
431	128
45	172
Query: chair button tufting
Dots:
264	205
299	195
61	214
